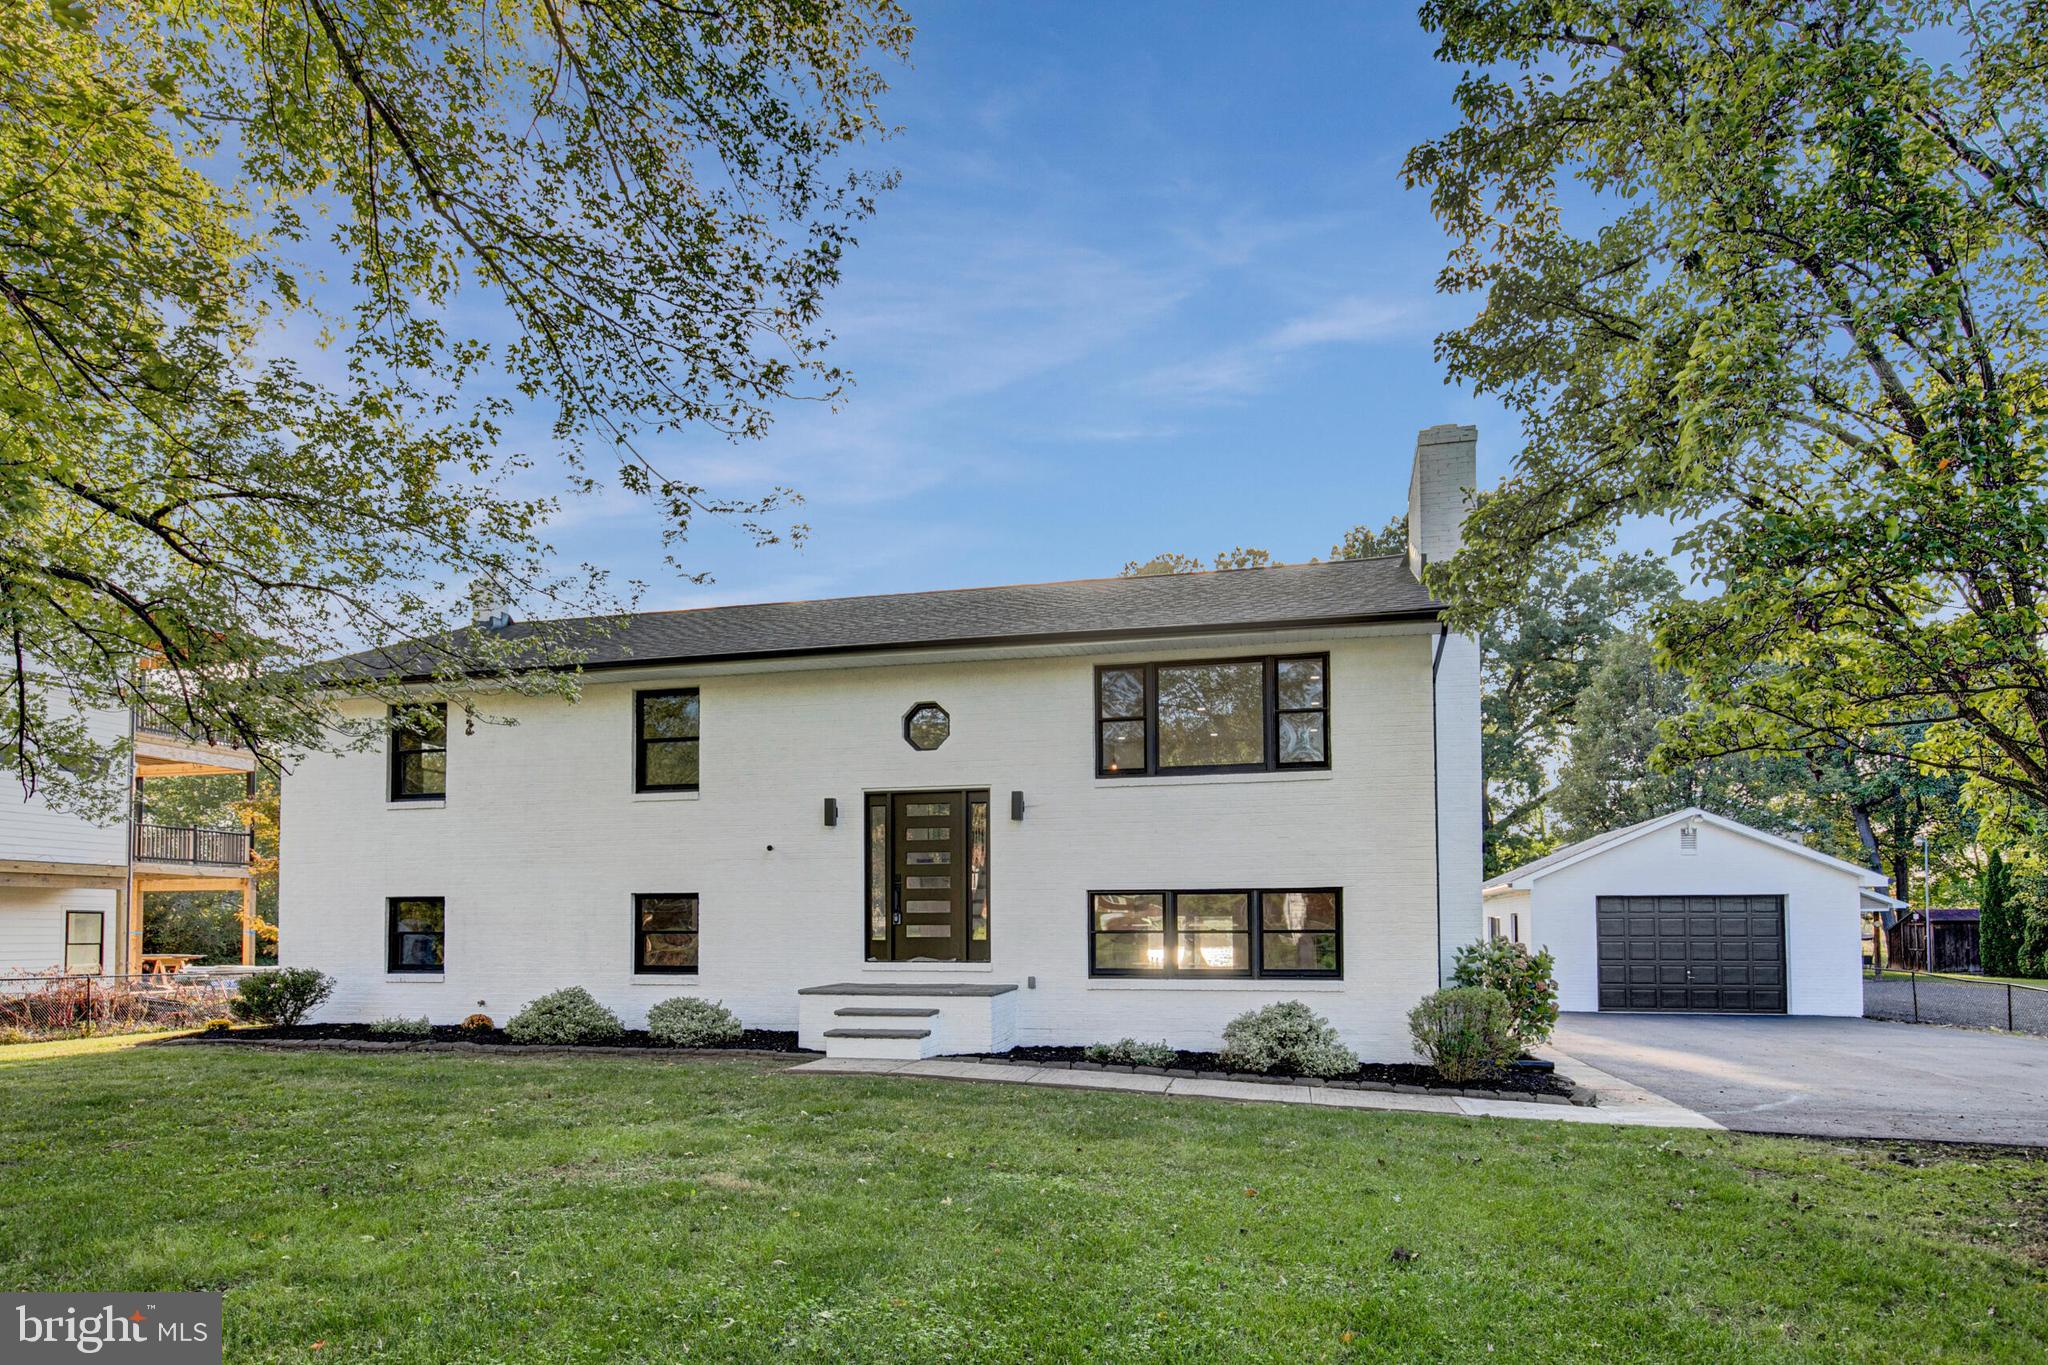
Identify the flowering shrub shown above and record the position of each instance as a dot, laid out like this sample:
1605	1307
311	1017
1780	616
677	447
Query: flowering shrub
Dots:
1465	1031
1528	981
478	1023
1288	1037
1131	1052
686	1021
565	1016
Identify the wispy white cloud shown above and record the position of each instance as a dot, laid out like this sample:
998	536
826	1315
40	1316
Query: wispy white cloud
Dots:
1235	372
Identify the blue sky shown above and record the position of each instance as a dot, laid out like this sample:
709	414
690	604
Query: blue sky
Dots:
1150	282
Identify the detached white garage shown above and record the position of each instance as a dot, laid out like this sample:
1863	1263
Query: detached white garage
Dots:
1695	913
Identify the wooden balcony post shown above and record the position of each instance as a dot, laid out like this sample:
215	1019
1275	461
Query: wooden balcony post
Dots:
249	922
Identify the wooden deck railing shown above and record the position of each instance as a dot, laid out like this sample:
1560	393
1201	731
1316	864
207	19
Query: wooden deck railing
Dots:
187	844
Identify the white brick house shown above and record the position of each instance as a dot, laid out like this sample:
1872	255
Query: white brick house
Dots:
1052	813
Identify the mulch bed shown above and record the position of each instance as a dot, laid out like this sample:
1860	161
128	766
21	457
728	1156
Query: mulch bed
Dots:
1514	1083
752	1040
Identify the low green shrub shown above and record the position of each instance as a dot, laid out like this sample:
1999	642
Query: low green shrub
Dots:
1289	1038
565	1017
402	1027
284	995
1528	981
1465	1031
1131	1052
217	1026
687	1021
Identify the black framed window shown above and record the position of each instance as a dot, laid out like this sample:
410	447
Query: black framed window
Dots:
665	934
1212	716
665	736
85	939
419	752
416	936
1212	933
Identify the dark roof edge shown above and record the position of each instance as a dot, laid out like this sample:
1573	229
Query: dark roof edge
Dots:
965	642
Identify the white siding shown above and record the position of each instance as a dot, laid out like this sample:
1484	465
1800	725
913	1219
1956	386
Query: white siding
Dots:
30	831
542	843
32	926
1822	910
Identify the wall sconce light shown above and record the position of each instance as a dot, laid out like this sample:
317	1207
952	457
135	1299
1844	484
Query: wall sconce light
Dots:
831	811
1016	805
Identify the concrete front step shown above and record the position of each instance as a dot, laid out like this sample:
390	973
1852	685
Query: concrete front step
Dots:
962	1016
907	1044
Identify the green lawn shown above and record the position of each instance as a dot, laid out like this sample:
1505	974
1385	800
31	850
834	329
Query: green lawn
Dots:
440	1208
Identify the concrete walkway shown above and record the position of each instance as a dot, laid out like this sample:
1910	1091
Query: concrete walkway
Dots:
1631	1106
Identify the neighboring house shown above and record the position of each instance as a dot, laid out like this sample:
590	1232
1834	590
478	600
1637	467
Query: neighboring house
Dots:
72	892
1955	940
1693	912
1050	813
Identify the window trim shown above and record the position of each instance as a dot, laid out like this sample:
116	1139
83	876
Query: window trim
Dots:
641	967
392	965
640	741
1270	762
100	959
398	752
1255	930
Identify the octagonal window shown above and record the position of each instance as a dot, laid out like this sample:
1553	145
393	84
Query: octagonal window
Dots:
926	725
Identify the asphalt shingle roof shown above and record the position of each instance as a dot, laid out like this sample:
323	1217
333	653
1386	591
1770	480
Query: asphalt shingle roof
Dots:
1343	592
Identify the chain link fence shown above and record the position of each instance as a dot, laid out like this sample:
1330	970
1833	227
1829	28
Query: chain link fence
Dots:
1917	997
58	1005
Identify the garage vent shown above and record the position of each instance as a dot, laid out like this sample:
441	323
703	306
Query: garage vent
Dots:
1689	839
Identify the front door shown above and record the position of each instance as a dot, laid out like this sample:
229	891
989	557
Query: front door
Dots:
928	876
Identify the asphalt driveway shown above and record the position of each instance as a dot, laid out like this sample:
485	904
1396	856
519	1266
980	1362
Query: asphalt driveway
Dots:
1827	1077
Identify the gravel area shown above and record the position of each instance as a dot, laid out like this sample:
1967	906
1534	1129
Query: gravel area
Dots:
1970	1004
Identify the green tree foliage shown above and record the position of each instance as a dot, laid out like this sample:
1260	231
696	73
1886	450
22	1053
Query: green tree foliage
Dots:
645	205
1775	273
2001	920
1538	654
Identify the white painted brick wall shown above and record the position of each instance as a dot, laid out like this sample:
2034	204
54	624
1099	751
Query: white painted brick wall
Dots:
542	843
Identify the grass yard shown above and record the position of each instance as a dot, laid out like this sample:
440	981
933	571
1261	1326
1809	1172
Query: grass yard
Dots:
440	1208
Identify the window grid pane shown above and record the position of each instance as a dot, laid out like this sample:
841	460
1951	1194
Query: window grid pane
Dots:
1264	713
1210	933
665	932
667	726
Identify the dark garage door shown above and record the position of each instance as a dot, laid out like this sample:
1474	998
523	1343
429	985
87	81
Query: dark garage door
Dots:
1711	954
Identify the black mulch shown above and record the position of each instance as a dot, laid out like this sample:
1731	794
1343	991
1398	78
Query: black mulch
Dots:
752	1040
1513	1081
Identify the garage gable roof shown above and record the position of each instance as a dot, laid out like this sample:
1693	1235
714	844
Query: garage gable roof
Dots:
1520	878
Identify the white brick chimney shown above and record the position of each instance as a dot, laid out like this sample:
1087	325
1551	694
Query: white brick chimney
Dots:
1440	490
1440	493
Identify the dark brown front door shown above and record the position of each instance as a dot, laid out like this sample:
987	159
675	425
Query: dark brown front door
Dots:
928	876
1703	954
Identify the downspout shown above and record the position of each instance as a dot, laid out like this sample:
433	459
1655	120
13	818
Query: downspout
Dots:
1436	789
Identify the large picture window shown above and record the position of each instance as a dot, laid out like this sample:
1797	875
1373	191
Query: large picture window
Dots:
1227	715
416	938
85	936
419	752
665	934
665	730
1212	933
